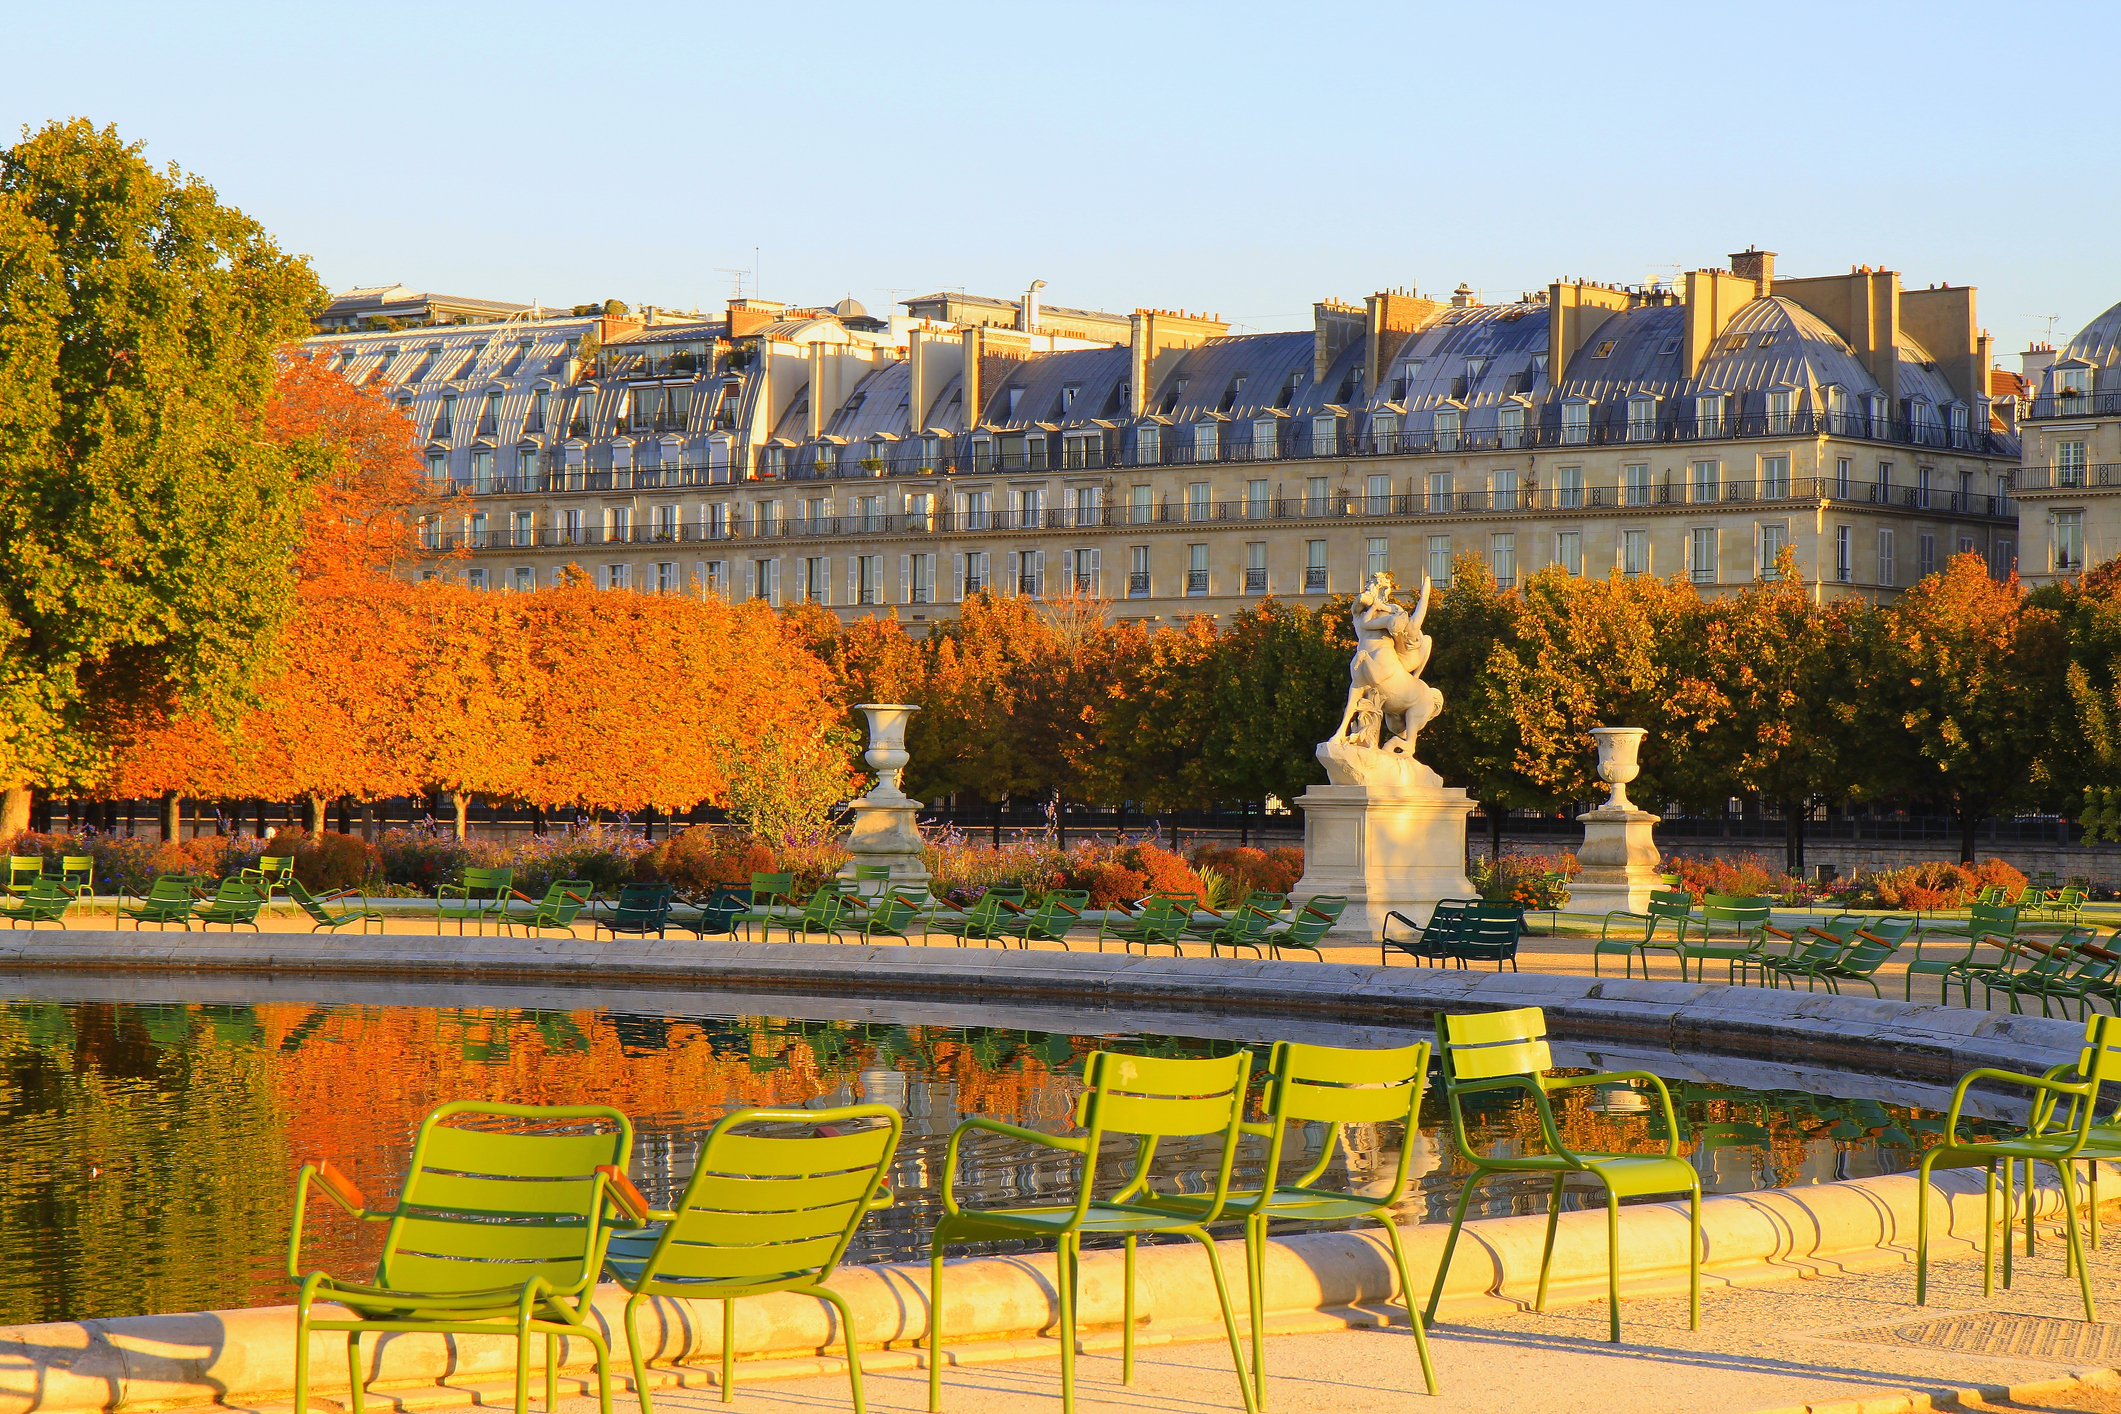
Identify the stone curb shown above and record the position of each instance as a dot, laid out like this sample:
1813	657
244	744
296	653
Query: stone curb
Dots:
1909	1040
1001	1308
1916	1402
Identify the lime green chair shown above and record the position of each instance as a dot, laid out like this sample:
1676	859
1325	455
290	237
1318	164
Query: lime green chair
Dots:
169	900
23	871
495	1233
761	1213
235	904
1666	906
2061	1146
46	902
563	902
272	871
892	917
772	899
1334	1087
78	873
479	895
1507	1050
322	917
1161	923
1152	1099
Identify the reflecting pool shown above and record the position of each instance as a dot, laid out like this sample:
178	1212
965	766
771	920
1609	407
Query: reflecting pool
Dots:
152	1146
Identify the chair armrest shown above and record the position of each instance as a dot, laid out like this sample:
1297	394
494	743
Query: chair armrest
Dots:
1073	1144
1664	1094
517	893
448	890
333	1180
630	1199
1786	937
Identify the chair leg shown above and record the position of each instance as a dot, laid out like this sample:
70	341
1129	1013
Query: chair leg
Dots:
1922	1227
1406	1296
1612	1265
854	1359
1693	1258
1222	1296
1546	1253
354	1383
1988	1228
1443	1268
523	1367
728	1351
1126	1339
633	1352
2073	1236
935	1327
1064	1283
1255	1300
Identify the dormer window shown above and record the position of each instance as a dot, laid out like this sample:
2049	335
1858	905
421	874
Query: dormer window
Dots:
1958	420
1778	413
1509	425
1875	410
1288	389
1010	398
1708	415
1605	348
1837	408
1067	396
1447	428
1476	369
1237	385
1539	365
1642	418
1177	391
1575	422
2073	382
1384	431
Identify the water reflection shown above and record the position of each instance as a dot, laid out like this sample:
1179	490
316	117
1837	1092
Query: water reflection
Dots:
152	1146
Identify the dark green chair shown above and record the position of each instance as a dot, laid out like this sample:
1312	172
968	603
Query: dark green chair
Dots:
894	916
479	895
235	904
981	923
169	900
1953	959
1049	921
1744	921
322	917
639	910
1673	907
1430	942
717	915
46	902
563	903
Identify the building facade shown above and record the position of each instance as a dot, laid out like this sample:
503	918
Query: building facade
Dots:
2070	484
1157	461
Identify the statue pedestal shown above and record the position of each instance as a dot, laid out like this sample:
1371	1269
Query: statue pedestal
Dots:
887	831
1619	858
1387	850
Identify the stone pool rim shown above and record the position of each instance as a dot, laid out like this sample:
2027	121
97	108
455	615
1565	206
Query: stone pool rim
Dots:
1907	1040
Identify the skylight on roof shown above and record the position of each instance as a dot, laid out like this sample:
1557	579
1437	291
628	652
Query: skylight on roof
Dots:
1604	349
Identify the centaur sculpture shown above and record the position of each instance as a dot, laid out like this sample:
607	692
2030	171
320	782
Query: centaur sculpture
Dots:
1385	693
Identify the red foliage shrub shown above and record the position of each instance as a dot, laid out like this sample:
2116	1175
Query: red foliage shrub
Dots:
1743	876
1161	870
698	859
1251	868
327	861
1110	884
1994	873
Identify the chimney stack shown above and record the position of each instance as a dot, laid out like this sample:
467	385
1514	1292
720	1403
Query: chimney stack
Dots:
1756	265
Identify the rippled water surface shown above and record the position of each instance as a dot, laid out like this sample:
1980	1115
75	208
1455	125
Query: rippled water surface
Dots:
150	1149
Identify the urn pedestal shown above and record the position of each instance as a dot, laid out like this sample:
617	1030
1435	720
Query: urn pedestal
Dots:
886	828
1386	850
1619	855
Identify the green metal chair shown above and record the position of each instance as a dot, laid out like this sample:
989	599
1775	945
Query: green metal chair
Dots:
640	909
1666	906
983	922
1161	922
893	917
563	903
2059	1147
761	1213
1207	922
1152	1099
493	1234
717	916
1049	922
1507	1050
78	873
1302	928
1430	942
1335	1087
1814	947
2068	905
23	871
169	900
772	900
272	871
46	902
819	916
871	882
322	917
479	895
1986	923
235	904
1746	918
1867	951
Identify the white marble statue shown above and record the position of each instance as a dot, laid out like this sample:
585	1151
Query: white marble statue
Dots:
1385	694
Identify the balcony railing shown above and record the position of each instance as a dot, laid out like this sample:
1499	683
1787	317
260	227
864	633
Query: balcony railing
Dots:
1314	581
1548	499
1137	586
2069	478
2104	403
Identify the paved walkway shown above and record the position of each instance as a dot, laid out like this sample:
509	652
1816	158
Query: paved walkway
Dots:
1854	1345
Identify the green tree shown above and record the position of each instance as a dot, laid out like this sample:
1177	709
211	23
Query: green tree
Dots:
1276	683
1966	678
149	522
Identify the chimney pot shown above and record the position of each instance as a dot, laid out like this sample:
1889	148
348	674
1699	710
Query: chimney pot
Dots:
1756	265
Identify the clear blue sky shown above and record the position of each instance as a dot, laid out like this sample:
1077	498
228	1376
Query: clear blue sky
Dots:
1233	157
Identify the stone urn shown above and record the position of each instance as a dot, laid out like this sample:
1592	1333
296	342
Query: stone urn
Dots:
1617	762
887	745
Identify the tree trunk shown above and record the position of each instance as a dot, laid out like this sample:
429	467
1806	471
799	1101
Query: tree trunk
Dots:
997	823
648	821
172	817
368	822
1119	826
14	811
1060	820
1969	822
1793	837
462	801
1495	818
313	817
1244	822
537	820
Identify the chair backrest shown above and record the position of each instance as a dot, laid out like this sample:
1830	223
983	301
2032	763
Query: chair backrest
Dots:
1327	906
495	881
1993	918
1158	1097
892	914
1265	901
278	867
1743	909
870	880
565	898
77	869
1484	1045
49	889
765	888
2070	898
235	889
642	905
21	868
1061	906
171	888
1893	930
486	1210
308	902
1670	903
1336	1086
769	1208
1304	930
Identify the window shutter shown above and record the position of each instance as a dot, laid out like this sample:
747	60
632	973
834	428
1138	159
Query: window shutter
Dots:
1038	572
699	578
603	576
854	579
957	579
1016	571
1097	577
905	579
751	579
1067	569
984	557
